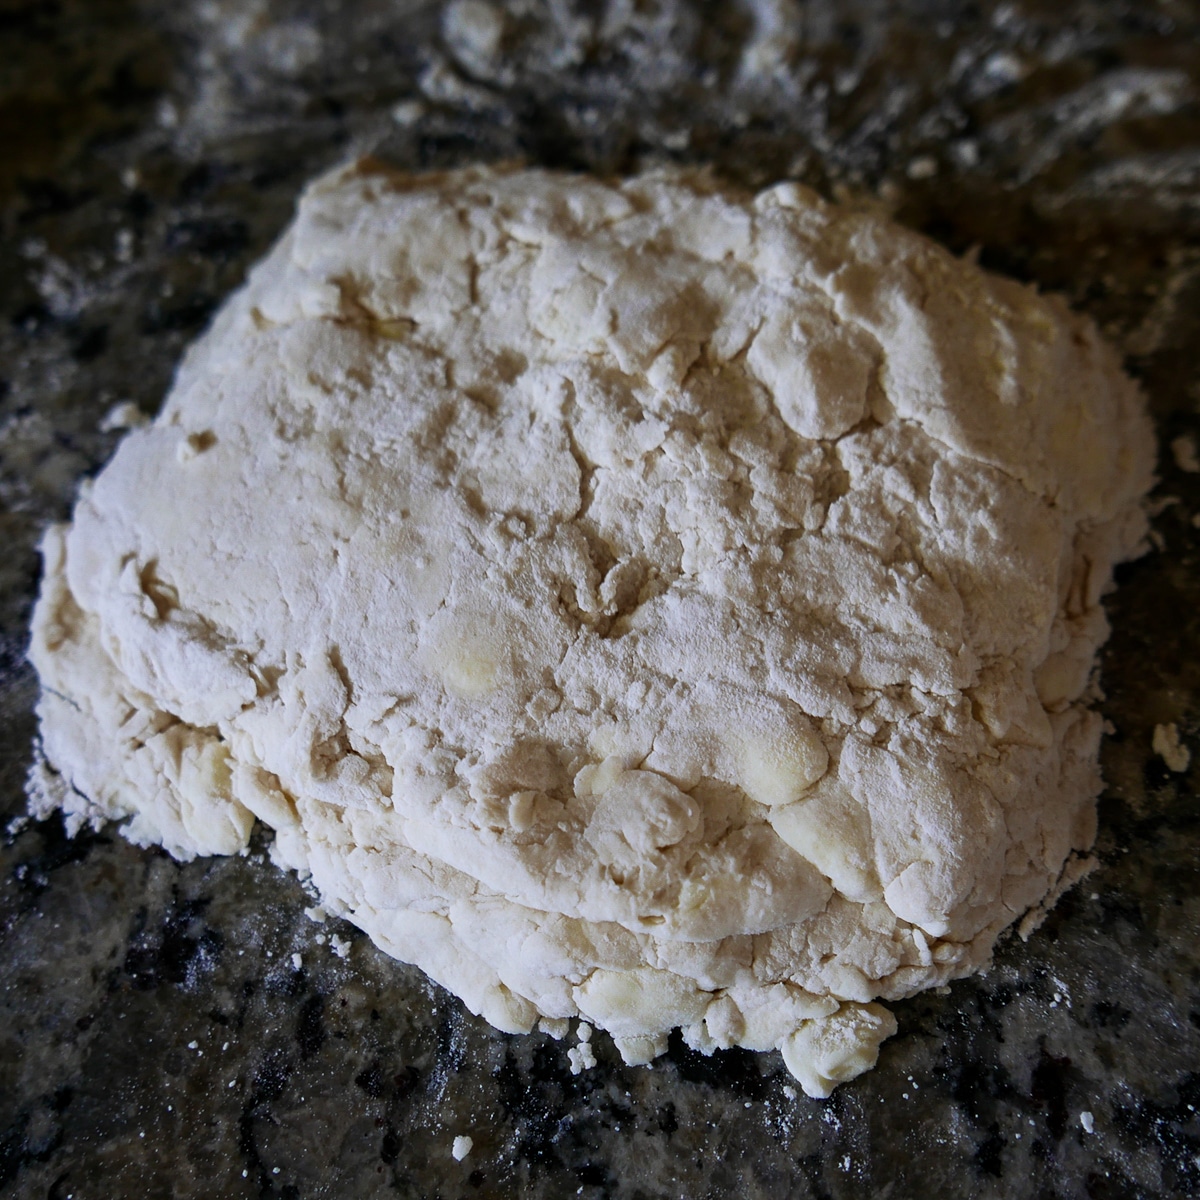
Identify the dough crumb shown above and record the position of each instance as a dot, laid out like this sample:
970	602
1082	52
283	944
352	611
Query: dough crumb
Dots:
462	1147
408	112
1183	449
1170	748
474	30
123	415
581	1058
1087	1121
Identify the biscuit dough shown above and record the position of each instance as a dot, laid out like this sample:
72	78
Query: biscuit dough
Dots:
629	602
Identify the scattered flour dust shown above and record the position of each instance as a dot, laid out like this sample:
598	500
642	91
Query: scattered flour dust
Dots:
635	603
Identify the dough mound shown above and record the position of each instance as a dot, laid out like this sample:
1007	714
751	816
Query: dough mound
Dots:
635	602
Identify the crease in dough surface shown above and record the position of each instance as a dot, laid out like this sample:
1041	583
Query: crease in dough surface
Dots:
634	602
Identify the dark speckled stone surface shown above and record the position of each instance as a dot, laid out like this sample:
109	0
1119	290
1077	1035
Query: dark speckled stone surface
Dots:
157	1037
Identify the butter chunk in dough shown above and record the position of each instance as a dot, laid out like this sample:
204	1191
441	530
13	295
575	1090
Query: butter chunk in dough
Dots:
630	602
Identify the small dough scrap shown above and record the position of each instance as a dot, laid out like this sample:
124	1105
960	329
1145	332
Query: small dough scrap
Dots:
1169	747
634	601
823	1053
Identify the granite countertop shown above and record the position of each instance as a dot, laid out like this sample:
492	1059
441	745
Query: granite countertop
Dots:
186	1031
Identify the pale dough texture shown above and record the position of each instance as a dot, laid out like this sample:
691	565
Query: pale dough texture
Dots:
633	602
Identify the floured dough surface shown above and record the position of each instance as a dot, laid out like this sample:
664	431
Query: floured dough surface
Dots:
629	602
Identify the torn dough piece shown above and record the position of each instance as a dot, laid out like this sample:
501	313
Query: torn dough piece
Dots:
635	603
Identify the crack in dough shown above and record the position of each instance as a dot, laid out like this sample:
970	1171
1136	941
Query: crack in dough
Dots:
635	602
